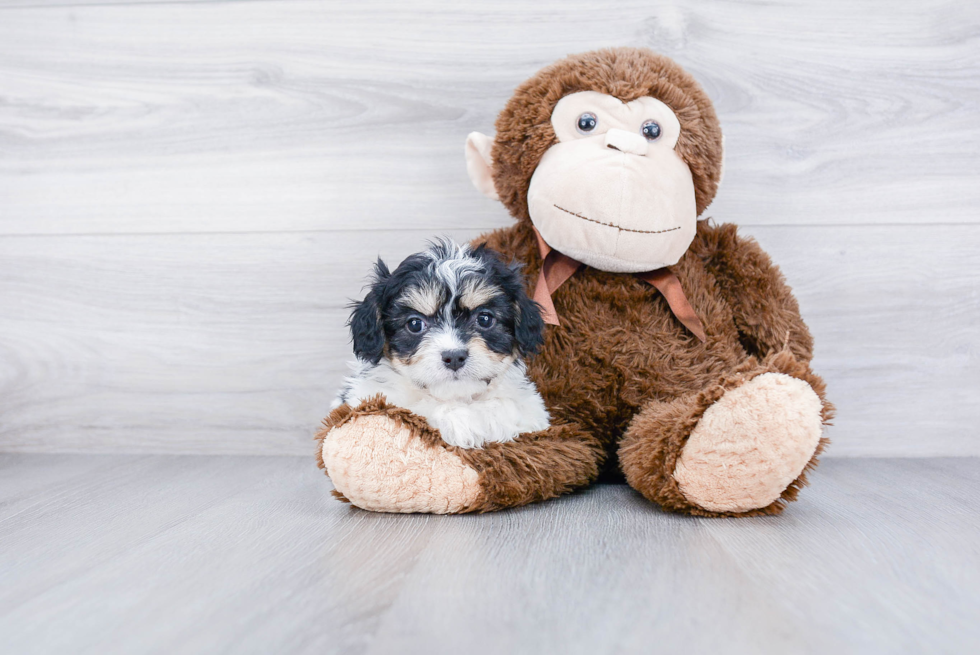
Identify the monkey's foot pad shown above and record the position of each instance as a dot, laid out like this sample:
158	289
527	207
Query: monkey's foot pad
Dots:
751	444
381	465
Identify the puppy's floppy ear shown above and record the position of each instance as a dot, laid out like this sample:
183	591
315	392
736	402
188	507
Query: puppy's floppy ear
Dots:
366	328
529	326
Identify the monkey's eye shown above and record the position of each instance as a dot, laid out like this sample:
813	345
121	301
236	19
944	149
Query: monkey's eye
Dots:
484	320
415	325
586	122
651	130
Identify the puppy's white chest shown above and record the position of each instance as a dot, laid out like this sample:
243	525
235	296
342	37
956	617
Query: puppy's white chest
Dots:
510	406
497	419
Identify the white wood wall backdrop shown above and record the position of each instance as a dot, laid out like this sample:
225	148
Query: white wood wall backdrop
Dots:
189	193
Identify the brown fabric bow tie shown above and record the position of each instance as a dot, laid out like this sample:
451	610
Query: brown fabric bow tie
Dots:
556	268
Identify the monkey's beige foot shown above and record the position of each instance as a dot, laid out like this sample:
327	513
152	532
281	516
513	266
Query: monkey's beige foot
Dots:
750	445
385	459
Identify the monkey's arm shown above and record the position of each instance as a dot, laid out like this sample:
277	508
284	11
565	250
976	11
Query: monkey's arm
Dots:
386	459
534	467
766	313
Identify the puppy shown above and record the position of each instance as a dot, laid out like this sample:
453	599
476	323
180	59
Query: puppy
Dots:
445	336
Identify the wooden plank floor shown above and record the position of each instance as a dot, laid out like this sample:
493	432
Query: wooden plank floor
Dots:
204	554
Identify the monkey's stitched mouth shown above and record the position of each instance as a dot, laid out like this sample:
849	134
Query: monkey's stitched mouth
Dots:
621	229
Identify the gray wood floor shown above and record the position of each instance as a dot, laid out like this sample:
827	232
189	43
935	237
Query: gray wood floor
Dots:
204	554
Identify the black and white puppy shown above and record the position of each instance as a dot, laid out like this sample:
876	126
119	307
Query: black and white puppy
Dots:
445	336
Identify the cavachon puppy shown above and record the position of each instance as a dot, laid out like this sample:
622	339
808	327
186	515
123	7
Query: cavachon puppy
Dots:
445	336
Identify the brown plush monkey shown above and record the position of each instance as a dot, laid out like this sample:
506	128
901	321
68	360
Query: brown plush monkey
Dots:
676	353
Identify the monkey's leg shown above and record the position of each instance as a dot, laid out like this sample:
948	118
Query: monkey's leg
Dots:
386	459
740	447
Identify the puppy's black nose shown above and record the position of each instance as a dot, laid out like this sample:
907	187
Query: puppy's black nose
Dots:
454	359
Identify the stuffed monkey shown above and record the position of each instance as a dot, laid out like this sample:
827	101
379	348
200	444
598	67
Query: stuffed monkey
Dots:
675	354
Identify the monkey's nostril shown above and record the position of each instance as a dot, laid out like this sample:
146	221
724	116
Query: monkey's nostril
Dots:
626	142
454	359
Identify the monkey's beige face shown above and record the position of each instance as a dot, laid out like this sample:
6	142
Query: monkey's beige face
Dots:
612	193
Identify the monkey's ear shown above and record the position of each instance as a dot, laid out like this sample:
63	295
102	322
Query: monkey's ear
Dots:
479	164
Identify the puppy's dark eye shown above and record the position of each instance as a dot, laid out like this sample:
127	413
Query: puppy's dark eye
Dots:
484	319
586	122
415	325
651	130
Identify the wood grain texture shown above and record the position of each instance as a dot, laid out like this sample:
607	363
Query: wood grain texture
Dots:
237	343
191	191
203	117
163	554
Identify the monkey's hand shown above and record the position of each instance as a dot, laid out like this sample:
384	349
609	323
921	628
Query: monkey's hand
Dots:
386	459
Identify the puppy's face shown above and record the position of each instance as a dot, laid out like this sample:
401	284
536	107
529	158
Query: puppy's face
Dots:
450	319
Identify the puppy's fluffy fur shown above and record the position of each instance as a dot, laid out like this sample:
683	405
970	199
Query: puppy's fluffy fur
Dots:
445	336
